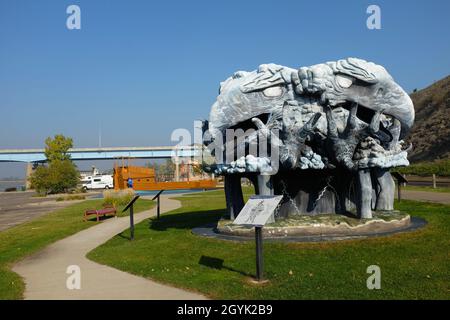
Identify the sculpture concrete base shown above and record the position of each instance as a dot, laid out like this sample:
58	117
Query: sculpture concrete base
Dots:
323	225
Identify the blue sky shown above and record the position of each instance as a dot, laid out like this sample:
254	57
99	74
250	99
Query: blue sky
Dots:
139	69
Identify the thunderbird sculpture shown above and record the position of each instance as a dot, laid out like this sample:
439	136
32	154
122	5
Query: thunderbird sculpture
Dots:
334	130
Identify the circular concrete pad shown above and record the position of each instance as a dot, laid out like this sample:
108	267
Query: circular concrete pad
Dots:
211	231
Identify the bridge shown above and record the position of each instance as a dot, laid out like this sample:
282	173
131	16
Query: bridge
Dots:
34	156
38	155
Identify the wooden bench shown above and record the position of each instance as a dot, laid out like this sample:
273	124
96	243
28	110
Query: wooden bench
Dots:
108	209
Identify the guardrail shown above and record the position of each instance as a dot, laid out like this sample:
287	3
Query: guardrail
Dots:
429	181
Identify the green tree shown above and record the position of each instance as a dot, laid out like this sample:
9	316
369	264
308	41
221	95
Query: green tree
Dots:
167	169
60	174
57	148
152	165
163	171
197	169
40	180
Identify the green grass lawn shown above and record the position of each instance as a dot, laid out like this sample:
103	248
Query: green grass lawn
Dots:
25	239
426	188
415	265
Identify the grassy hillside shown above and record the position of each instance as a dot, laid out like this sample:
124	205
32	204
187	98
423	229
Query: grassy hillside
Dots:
430	135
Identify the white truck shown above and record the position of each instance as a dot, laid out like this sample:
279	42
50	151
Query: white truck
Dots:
98	182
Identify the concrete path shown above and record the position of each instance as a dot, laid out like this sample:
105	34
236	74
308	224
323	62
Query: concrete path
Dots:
45	272
438	197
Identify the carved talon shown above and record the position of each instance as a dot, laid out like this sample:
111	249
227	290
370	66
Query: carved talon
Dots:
395	130
260	125
351	125
312	123
332	127
266	132
374	126
344	147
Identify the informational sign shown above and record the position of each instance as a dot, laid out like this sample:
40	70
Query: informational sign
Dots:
157	195
130	206
130	203
258	210
158	203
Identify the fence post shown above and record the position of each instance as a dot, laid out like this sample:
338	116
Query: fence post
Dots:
434	181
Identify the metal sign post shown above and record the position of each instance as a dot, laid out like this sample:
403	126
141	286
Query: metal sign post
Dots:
130	206
158	209
259	253
401	180
158	203
131	223
256	213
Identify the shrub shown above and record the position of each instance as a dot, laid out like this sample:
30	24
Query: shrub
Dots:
117	197
77	190
57	177
71	197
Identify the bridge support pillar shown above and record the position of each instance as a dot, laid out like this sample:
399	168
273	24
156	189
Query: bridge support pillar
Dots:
29	172
177	169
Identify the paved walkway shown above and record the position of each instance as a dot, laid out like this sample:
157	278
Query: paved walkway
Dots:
438	197
45	272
